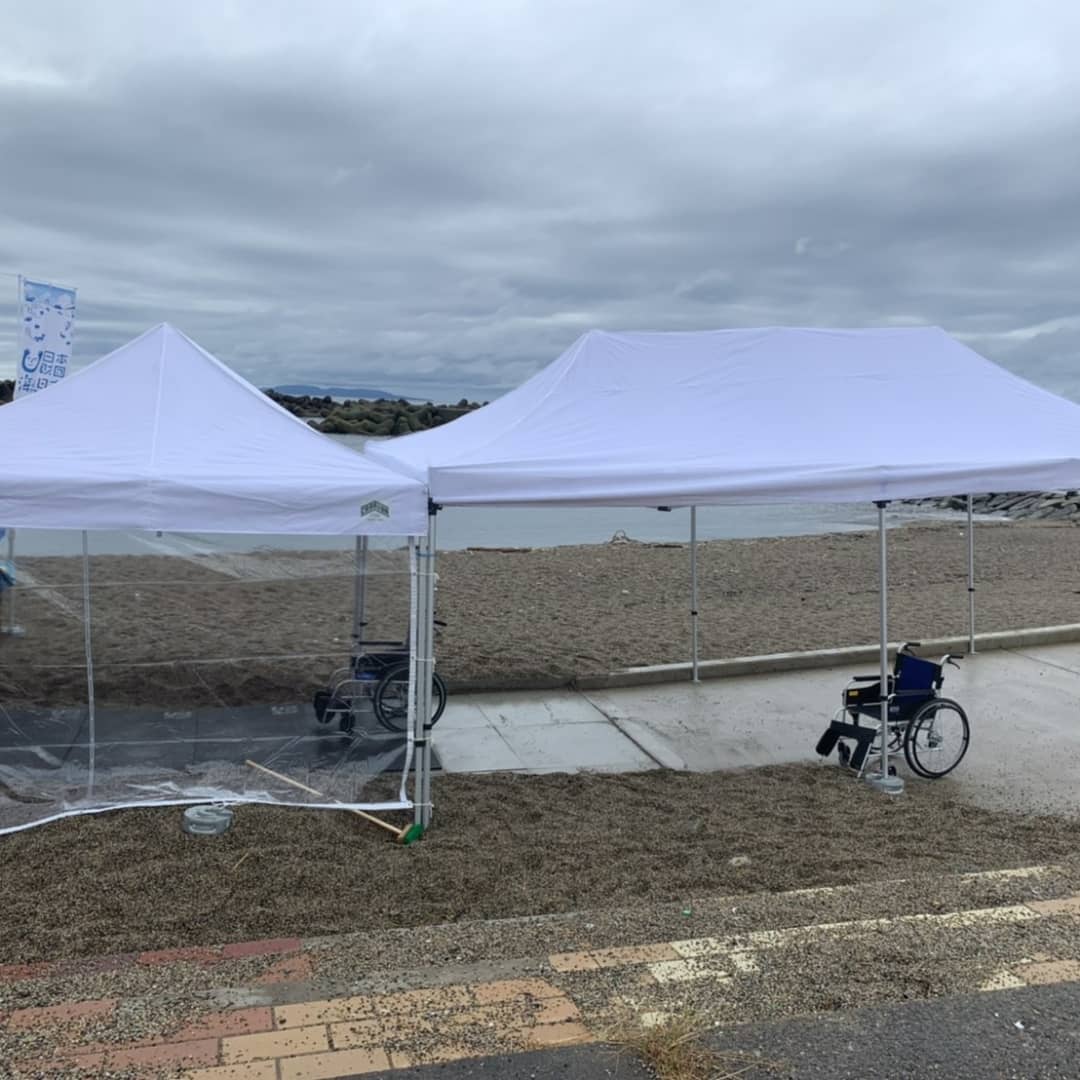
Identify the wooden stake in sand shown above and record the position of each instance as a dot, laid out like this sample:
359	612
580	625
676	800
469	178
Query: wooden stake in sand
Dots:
407	835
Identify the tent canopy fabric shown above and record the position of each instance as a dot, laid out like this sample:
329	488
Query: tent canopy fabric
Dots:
752	416
159	435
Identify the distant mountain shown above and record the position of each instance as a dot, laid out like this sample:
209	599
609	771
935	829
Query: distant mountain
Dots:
357	393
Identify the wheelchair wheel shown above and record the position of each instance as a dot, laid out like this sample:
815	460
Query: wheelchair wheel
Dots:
937	738
392	698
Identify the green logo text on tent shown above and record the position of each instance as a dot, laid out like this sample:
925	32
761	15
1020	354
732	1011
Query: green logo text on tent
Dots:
375	510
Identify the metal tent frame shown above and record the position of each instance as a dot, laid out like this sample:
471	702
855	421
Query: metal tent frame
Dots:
424	648
414	545
424	658
695	673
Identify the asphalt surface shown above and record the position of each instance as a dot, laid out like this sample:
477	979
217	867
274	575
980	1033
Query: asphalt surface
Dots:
571	1063
1027	1034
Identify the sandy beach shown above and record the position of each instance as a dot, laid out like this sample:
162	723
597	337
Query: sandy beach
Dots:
269	627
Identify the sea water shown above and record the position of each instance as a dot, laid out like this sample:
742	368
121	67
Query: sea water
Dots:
460	527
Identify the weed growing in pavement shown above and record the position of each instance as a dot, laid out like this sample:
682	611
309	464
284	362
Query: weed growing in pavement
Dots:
673	1047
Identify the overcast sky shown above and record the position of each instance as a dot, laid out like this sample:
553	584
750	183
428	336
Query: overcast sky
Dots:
439	197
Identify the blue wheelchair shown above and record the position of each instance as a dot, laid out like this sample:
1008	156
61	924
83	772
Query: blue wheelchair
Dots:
931	730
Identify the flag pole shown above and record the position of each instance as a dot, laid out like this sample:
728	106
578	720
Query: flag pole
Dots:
10	627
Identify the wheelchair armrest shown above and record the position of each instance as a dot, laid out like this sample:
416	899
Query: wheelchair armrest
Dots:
865	678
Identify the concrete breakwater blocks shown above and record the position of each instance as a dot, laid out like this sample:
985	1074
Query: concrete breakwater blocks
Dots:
1033	505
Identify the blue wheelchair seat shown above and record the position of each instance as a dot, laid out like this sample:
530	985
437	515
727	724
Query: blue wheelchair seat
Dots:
913	682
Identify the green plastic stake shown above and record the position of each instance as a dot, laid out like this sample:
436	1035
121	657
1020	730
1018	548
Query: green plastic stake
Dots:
412	834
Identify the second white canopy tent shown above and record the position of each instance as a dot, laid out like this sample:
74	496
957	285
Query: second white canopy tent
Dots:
774	415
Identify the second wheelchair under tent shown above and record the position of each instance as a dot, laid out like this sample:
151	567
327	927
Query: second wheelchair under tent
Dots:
376	680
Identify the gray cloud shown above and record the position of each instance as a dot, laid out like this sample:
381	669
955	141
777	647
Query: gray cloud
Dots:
439	198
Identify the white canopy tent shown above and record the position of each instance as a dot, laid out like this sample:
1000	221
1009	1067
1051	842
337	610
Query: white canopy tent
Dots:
159	436
752	416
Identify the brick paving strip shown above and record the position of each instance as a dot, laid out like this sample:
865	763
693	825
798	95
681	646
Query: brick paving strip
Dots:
283	1021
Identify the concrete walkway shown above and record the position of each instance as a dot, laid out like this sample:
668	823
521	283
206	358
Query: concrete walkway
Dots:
1023	707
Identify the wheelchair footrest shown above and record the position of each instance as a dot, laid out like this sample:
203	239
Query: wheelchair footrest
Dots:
861	734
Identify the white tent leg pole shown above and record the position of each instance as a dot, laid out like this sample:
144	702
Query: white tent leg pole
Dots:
360	588
10	627
87	641
11	591
891	785
419	622
971	576
410	721
425	667
693	596
429	670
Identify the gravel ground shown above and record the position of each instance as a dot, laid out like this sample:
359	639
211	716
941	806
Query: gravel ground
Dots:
372	962
551	613
503	845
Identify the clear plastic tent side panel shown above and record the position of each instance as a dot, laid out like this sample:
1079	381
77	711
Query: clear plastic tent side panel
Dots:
223	669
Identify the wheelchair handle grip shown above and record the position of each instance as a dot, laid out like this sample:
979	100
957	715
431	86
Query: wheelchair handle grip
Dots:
910	645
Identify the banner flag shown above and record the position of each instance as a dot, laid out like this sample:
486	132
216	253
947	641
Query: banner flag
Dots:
46	329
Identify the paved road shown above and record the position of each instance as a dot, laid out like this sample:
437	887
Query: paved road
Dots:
974	1037
576	1063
